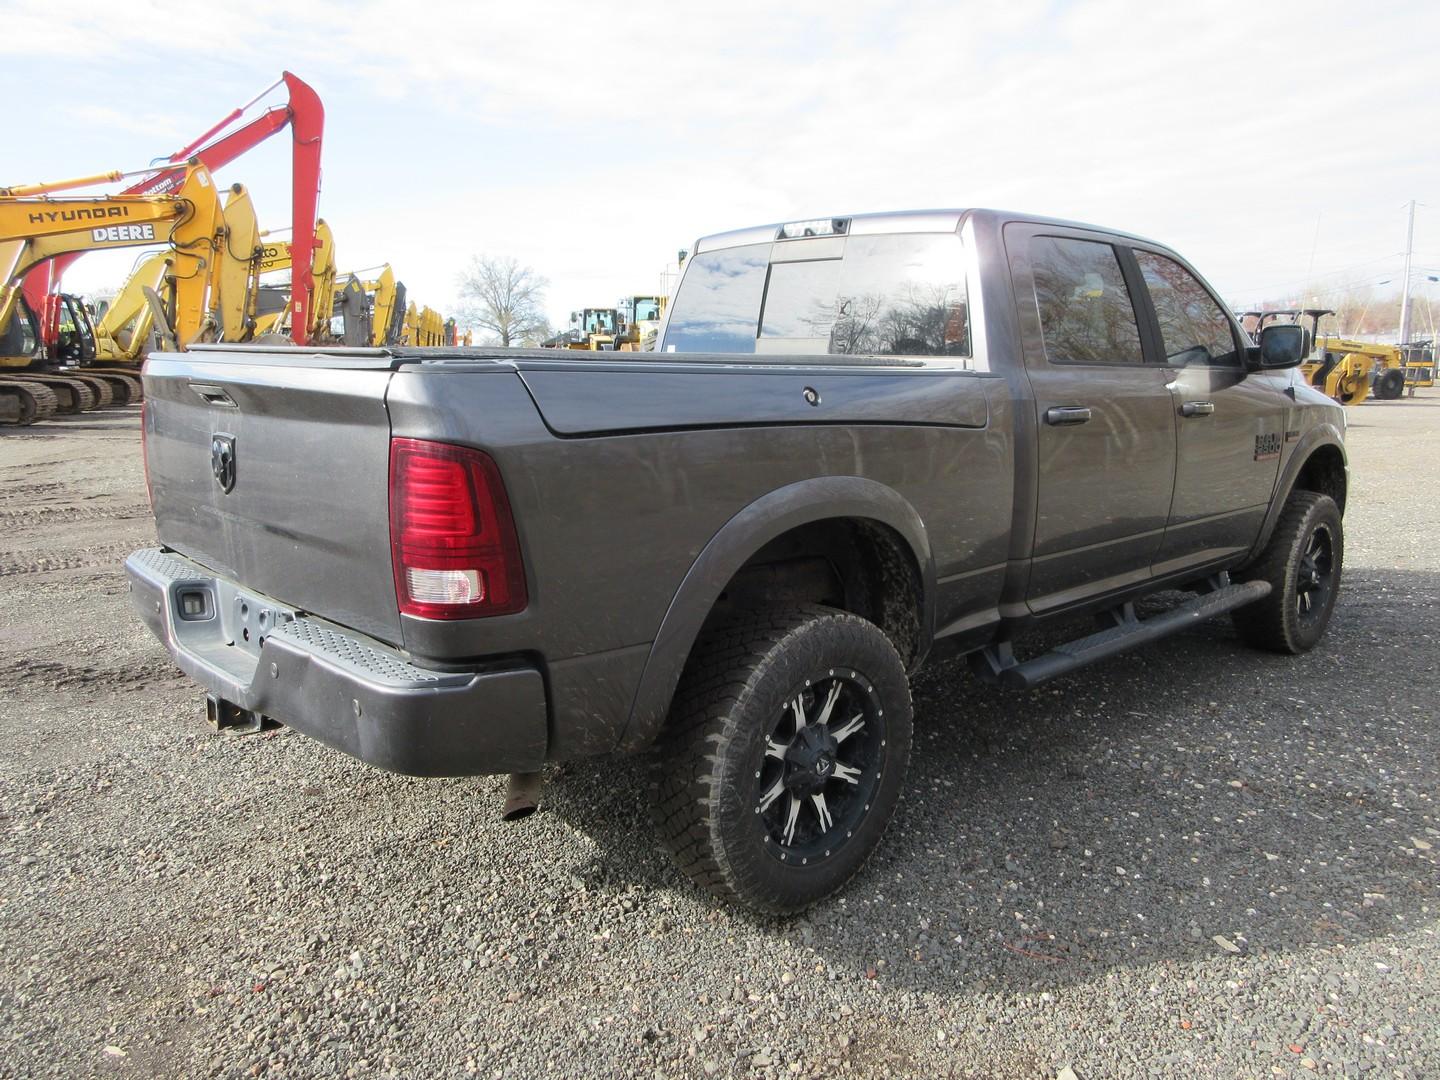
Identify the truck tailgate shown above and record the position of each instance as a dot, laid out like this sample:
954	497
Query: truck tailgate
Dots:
305	519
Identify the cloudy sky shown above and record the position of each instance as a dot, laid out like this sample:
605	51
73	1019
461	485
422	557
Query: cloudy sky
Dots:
1275	145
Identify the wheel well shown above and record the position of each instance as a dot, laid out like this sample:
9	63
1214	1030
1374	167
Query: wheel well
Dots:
1324	473
855	564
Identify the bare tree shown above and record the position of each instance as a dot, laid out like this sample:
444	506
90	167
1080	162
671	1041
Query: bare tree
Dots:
503	297
537	333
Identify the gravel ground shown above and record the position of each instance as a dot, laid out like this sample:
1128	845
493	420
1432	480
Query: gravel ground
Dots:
1193	861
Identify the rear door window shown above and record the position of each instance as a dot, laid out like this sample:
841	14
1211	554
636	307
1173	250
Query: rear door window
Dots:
1086	312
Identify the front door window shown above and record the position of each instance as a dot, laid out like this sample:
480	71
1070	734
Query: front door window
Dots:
1193	328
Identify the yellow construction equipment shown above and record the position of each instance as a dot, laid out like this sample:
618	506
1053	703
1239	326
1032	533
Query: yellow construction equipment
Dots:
1350	371
365	310
425	326
211	279
639	322
1340	369
206	289
125	332
35	228
276	256
1419	360
387	312
382	311
590	328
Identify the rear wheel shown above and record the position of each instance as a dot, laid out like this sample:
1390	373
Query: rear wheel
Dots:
1302	563
785	759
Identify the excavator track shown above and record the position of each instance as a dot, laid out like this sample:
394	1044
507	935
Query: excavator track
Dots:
32	401
125	387
71	395
104	395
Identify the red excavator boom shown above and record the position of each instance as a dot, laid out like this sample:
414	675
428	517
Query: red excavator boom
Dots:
305	116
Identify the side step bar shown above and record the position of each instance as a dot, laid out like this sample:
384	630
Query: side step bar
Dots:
996	663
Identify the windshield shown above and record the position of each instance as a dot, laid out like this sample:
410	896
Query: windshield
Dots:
647	309
889	295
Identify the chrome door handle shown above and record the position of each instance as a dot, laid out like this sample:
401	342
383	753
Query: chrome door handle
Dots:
1060	415
1197	408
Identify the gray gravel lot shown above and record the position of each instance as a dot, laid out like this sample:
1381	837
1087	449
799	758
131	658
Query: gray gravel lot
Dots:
1193	861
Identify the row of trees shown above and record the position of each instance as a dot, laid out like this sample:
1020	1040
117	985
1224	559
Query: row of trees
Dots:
505	299
1361	311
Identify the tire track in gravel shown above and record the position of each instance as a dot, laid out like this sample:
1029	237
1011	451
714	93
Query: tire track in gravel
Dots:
61	673
109	555
42	516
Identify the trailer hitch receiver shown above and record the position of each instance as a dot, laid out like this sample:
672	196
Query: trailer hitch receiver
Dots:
227	716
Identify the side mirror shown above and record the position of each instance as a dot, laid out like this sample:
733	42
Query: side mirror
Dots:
1281	345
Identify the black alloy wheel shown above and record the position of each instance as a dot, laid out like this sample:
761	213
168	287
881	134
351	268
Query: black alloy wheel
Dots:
824	759
1315	575
784	756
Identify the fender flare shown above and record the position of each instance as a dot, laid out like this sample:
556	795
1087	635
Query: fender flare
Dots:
728	550
1318	436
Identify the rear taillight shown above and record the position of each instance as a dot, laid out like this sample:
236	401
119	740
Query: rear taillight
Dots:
452	539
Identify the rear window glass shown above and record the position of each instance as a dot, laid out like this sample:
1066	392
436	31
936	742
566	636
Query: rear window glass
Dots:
891	295
719	304
800	302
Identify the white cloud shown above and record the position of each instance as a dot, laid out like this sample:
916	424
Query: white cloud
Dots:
1213	127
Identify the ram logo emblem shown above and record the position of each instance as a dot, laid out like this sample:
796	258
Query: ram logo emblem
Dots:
222	461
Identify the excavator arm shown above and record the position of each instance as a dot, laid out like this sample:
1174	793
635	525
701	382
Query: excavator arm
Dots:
281	255
35	229
303	114
211	279
122	331
116	218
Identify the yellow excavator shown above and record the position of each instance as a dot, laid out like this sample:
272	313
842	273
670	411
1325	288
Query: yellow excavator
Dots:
387	311
209	283
382	308
274	257
35	226
125	332
426	326
370	308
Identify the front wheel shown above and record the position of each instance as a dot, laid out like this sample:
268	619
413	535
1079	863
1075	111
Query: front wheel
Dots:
1390	384
1302	563
785	756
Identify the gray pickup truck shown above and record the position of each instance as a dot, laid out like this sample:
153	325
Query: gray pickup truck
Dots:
861	442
